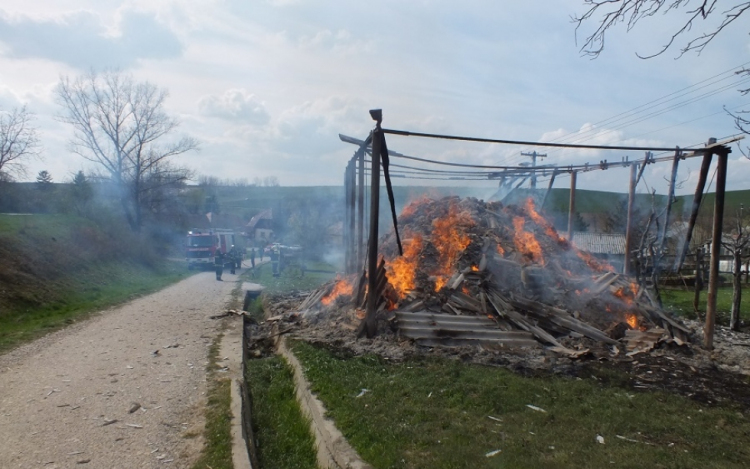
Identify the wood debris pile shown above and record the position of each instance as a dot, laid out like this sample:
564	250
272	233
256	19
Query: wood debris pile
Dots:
477	272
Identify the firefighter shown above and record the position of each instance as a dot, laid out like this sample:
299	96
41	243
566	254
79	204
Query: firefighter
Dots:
234	258
219	263
275	261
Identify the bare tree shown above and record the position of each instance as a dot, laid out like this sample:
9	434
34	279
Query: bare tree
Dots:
18	142
736	242
610	13
121	125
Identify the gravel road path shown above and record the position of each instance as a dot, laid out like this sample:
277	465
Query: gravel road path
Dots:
125	389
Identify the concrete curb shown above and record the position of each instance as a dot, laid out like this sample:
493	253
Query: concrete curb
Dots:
334	451
232	349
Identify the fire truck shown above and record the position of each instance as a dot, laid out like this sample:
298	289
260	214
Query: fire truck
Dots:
202	245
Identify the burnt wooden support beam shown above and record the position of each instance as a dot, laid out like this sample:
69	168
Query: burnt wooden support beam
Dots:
572	205
627	268
360	209
369	325
713	279
697	198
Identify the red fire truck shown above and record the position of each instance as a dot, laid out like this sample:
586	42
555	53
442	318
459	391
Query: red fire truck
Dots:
202	245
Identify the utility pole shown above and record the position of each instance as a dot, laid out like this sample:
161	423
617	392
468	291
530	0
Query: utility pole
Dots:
534	156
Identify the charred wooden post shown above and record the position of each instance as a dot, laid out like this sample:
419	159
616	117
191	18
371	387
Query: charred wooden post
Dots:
705	166
352	266
713	279
549	188
670	202
627	268
368	326
698	280
345	228
572	205
360	209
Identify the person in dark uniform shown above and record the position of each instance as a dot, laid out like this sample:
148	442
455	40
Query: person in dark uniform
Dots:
252	257
219	263
232	256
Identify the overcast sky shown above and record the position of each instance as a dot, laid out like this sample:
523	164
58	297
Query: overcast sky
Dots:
267	86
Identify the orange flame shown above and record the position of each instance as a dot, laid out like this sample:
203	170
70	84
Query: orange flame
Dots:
450	240
401	270
540	220
342	287
474	268
526	243
500	250
632	320
413	205
596	264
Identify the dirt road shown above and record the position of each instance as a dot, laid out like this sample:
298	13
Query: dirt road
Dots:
124	389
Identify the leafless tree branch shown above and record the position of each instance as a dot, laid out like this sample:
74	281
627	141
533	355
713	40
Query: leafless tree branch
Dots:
19	142
122	126
610	13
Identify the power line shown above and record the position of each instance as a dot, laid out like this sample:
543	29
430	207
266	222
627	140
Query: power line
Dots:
408	133
661	100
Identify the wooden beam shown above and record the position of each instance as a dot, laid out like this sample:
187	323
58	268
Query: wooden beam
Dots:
697	198
369	324
713	279
670	199
627	268
549	188
572	205
345	228
352	267
360	209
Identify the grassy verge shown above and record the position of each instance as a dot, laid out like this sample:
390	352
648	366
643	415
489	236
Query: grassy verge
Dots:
437	413
217	450
289	280
281	432
680	301
100	286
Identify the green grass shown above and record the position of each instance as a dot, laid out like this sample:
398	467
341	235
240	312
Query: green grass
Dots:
217	450
101	286
680	302
435	413
37	223
290	279
282	433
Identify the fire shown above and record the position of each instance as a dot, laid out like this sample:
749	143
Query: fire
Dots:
401	270
500	250
526	243
474	268
595	264
412	206
450	239
632	320
540	220
624	295
342	287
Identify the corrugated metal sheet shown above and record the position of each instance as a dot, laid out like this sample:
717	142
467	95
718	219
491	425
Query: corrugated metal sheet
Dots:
600	243
447	330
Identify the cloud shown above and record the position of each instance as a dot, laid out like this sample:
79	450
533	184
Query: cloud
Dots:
340	42
82	40
235	104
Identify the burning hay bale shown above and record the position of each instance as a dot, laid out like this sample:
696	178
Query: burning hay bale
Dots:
477	272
